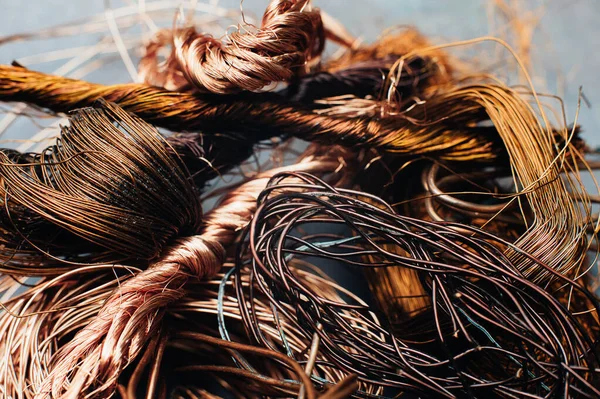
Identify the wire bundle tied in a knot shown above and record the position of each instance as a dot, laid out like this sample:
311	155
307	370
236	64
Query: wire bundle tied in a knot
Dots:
249	59
202	257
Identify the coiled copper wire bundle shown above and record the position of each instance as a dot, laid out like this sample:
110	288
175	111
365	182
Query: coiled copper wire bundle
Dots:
291	35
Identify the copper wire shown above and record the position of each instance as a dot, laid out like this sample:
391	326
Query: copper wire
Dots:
251	58
448	135
540	344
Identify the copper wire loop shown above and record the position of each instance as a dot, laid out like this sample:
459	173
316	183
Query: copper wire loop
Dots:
291	34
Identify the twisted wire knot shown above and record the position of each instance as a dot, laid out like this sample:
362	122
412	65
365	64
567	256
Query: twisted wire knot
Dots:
202	256
291	34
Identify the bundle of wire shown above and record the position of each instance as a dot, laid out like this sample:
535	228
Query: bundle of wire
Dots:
432	239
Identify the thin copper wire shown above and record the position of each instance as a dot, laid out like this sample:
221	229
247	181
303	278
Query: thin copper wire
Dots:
25	352
108	189
527	189
533	344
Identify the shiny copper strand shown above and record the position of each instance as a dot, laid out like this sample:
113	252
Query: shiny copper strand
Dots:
248	58
49	312
37	321
44	317
447	136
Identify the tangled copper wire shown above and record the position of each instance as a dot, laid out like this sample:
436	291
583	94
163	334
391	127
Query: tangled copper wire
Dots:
472	284
488	330
54	320
113	218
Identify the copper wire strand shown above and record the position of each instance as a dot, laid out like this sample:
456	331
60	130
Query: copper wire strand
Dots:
83	172
183	111
55	323
202	299
440	202
43	315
